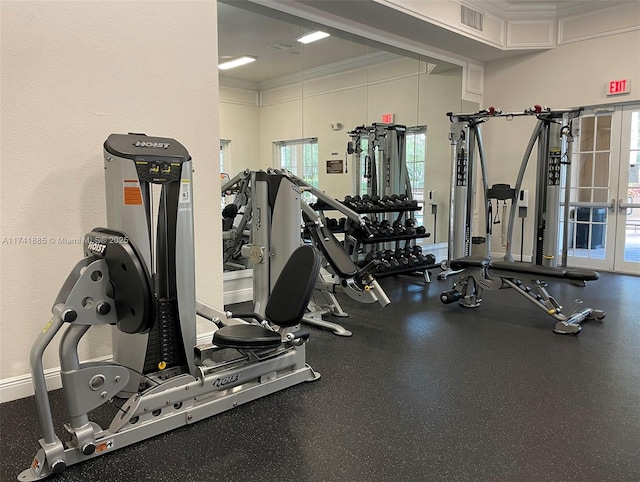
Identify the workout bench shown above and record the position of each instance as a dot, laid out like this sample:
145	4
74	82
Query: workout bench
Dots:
479	273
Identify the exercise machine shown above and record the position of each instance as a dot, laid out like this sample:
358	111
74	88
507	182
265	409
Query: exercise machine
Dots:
274	210
138	275
477	274
383	171
553	137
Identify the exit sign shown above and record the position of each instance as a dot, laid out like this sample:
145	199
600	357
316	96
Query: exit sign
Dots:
616	87
388	118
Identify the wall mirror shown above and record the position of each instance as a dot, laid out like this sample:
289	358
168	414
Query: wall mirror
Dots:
303	99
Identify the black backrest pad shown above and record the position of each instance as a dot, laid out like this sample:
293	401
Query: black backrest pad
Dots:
333	252
292	291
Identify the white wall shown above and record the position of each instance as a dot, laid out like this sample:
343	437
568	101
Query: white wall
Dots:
240	123
574	74
73	73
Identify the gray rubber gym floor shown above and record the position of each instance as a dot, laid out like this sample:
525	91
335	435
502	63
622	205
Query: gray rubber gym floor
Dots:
421	391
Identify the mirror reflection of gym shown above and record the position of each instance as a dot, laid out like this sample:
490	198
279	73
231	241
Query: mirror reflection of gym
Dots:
300	107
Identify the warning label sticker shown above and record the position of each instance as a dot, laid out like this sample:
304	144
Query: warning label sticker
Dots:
185	191
131	192
36	466
104	446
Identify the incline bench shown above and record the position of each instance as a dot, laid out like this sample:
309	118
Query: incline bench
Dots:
478	274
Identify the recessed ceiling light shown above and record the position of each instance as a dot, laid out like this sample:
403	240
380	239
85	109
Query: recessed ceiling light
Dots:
230	64
312	37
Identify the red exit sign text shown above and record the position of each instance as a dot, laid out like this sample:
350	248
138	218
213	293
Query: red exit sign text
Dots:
388	118
616	87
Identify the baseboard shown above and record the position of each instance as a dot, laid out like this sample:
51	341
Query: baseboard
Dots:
237	286
238	296
18	387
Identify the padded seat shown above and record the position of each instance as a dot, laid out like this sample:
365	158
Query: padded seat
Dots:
582	274
468	262
246	337
574	274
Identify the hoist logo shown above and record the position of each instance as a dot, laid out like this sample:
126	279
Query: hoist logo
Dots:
221	382
97	248
154	145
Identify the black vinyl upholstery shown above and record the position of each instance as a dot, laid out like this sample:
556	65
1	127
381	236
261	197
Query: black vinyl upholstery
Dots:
468	262
246	336
541	272
574	274
333	252
287	304
292	291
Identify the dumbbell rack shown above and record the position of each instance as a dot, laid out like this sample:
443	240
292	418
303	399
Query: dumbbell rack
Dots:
363	248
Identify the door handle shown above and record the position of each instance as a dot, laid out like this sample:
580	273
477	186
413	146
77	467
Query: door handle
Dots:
612	206
627	207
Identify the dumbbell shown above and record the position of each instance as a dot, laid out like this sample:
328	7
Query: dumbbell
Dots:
421	230
394	263
385	227
403	262
413	260
398	228
373	255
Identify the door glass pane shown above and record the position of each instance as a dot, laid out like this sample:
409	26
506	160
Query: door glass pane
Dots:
603	134
601	175
632	227
586	133
584	195
585	170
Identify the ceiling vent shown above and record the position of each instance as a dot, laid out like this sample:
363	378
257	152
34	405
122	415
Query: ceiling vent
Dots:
280	47
471	18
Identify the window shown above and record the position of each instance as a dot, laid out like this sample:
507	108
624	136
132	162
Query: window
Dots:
416	156
225	161
300	156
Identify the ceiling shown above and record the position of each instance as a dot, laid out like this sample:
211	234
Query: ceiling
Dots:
248	28
273	42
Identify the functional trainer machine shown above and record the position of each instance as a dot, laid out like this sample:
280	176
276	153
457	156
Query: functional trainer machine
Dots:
138	275
553	136
384	167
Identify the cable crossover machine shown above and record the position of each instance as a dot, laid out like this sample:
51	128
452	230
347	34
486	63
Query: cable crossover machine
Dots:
553	135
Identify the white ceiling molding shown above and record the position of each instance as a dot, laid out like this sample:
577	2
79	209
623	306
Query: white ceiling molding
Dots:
237	83
522	34
599	23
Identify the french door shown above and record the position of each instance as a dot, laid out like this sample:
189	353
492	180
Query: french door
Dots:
604	207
